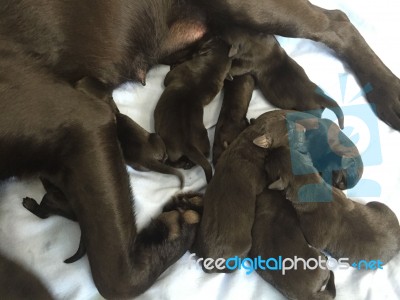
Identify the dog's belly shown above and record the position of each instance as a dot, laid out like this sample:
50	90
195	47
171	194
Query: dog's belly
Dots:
113	41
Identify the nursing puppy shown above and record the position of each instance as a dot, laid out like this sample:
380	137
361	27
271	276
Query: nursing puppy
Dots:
142	150
261	55
232	118
190	86
276	232
329	220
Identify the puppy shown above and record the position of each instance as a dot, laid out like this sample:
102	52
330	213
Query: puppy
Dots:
229	200
54	203
329	220
261	55
232	118
276	232
178	116
332	152
142	150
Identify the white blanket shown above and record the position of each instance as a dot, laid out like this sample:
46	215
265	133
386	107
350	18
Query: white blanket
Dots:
42	245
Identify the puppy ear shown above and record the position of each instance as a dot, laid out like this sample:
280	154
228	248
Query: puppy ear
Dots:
233	51
277	185
263	141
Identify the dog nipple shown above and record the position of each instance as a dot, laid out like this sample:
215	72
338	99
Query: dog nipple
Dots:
141	76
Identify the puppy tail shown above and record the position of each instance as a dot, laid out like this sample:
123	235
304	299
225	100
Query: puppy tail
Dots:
79	253
165	169
198	158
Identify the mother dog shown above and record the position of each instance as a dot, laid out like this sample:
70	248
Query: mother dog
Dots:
47	127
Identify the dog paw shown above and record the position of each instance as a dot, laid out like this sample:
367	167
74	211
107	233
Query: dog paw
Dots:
183	211
186	202
182	163
30	204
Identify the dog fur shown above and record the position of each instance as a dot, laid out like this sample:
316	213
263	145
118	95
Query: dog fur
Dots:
18	283
142	150
47	46
261	56
276	232
229	200
232	118
329	220
178	116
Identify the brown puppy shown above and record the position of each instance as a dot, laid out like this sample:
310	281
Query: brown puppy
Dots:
142	150
333	154
276	232
329	220
230	196
262	56
232	118
178	116
229	200
54	202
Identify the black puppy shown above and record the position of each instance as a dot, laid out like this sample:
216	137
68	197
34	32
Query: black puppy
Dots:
190	86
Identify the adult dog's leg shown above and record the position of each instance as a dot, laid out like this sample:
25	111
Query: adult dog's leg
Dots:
299	18
46	126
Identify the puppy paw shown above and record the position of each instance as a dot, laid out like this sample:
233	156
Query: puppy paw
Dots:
186	202
30	204
172	220
182	163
